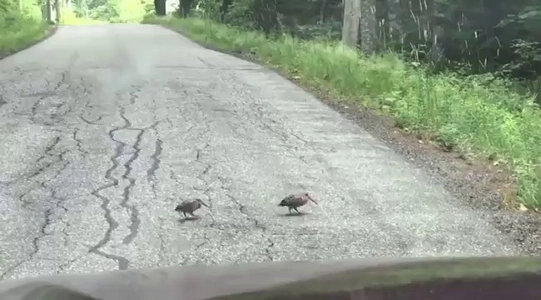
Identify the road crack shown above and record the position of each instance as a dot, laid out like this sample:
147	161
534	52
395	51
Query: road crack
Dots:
79	142
35	243
89	122
198	158
123	262
244	210
134	212
48	213
151	173
46	154
37	105
156	156
62	267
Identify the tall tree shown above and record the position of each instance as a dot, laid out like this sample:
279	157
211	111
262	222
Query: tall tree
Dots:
48	11
266	15
185	7
159	7
58	8
350	28
368	26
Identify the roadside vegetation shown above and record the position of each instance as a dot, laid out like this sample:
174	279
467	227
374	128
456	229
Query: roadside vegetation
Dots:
69	17
481	116
83	12
21	25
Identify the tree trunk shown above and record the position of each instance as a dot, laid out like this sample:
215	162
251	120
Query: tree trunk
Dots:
322	12
266	15
58	6
185	7
383	25
48	12
416	14
350	27
224	9
159	7
368	26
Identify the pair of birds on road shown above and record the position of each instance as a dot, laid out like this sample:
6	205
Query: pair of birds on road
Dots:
292	202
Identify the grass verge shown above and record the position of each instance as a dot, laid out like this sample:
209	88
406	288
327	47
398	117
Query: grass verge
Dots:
478	116
20	32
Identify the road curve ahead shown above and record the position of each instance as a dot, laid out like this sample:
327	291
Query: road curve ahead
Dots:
107	127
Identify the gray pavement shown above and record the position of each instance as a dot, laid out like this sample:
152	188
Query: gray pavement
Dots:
106	128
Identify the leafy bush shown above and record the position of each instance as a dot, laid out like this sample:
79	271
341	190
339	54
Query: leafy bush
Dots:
19	27
69	17
474	114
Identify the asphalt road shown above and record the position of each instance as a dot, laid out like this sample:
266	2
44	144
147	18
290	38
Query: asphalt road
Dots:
106	128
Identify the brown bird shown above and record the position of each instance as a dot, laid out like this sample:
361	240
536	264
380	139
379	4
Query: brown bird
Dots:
190	206
296	200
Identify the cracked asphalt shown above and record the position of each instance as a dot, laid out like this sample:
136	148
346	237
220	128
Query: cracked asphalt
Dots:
106	128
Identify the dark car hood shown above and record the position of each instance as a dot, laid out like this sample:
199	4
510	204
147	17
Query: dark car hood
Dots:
390	278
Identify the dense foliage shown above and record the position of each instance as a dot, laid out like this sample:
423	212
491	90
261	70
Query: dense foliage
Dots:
501	37
115	11
20	23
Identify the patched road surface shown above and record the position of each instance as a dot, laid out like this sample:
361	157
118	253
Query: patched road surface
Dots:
106	128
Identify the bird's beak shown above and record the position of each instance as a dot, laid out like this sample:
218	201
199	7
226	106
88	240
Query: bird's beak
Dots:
204	204
312	199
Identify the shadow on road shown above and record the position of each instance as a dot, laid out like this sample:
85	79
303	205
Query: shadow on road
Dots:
188	219
294	214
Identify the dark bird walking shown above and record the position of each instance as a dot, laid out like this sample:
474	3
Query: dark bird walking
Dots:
296	200
190	206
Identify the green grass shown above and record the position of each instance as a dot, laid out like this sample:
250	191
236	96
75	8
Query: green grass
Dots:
477	115
17	31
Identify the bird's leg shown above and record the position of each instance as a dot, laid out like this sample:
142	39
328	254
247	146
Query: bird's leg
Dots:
296	210
184	214
191	213
289	210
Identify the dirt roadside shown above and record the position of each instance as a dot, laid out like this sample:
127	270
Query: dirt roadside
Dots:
487	188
